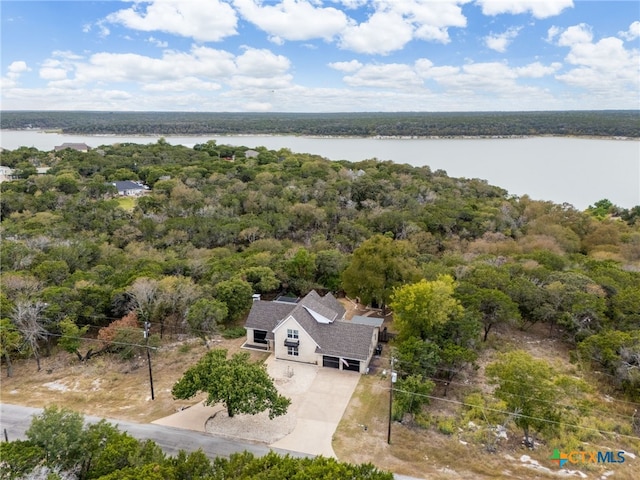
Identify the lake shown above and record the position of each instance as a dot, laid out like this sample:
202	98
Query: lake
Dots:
578	171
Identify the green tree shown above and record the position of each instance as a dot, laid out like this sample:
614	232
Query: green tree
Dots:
378	266
527	386
237	295
10	341
493	306
59	432
415	356
19	458
239	384
410	394
421	308
71	339
618	354
263	279
205	316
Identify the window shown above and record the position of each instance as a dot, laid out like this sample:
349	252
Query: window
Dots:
292	351
292	333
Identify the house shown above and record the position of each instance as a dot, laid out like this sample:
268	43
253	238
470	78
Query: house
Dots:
130	189
6	173
80	147
312	330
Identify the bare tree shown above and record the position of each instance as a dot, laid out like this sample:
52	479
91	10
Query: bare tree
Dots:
144	294
28	319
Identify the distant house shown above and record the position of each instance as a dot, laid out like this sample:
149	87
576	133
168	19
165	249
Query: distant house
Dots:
6	173
251	154
312	330
80	147
129	188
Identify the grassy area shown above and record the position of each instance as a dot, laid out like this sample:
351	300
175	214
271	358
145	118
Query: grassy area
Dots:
444	442
444	446
106	386
127	203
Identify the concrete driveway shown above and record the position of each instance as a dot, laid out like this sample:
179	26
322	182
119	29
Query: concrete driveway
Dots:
319	397
318	410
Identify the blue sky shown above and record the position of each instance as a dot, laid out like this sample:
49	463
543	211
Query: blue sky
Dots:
320	55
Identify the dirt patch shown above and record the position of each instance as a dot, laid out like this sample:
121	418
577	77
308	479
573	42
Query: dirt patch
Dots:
106	386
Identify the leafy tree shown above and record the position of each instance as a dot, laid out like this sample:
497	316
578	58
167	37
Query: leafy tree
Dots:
19	458
415	356
618	354
237	295
493	306
241	385
205	316
263	279
410	394
10	341
71	339
59	432
378	266
527	386
421	308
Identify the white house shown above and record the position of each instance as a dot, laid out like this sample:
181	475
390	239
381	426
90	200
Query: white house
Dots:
312	330
129	188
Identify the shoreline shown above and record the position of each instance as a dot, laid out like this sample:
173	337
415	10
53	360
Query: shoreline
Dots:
329	137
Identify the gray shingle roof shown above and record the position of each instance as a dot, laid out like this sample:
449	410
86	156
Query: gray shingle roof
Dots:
266	315
338	338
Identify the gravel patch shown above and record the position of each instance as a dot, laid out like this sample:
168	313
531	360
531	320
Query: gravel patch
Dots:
292	380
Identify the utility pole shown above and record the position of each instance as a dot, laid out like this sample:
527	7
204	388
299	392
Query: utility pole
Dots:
393	380
147	325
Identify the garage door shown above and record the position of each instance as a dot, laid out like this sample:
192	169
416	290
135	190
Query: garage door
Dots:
331	362
353	365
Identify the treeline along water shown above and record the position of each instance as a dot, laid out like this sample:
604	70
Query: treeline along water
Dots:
604	123
579	171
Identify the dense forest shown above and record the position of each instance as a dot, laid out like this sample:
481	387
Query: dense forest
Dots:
579	123
220	223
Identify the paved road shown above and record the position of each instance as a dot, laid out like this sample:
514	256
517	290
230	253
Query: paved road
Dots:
15	420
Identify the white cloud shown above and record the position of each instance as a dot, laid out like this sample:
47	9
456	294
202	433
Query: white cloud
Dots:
15	69
538	8
210	21
604	68
392	75
499	42
157	43
395	23
350	66
293	19
552	33
185	84
537	70
632	33
261	63
576	34
383	33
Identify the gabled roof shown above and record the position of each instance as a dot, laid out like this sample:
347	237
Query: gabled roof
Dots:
128	185
82	147
266	315
321	318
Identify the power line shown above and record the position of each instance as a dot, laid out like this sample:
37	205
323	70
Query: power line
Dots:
515	414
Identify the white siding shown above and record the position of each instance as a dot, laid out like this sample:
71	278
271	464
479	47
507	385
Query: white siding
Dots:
306	348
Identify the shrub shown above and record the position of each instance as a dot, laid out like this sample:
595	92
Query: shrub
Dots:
235	332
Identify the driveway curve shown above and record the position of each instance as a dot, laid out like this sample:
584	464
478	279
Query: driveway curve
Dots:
319	397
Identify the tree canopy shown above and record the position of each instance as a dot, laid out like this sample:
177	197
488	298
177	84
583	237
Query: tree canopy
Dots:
240	385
